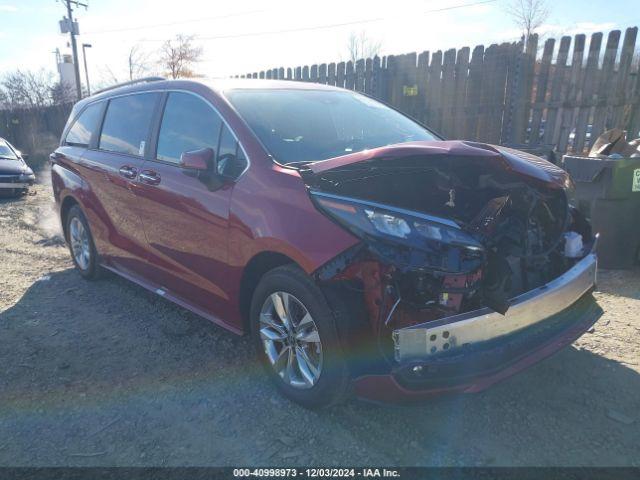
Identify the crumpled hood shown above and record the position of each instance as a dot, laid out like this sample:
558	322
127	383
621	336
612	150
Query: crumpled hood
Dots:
13	167
514	160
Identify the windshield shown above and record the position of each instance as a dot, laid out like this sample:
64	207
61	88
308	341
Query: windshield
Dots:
307	125
6	152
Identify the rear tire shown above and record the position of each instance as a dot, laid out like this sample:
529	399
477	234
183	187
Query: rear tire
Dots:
81	246
296	339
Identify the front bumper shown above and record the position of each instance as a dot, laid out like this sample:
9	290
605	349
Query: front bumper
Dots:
468	329
16	181
15	185
471	351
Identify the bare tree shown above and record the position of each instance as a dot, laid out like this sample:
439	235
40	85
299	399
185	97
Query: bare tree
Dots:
106	78
361	46
528	15
137	62
27	89
4	101
178	56
63	93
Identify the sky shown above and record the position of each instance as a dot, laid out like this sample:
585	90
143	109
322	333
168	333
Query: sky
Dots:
243	36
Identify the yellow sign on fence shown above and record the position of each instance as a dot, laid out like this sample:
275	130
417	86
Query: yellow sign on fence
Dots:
410	90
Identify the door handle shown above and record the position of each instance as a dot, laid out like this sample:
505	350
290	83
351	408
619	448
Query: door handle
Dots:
149	177
128	172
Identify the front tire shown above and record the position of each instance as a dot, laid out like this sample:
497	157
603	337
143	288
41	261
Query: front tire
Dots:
81	246
296	340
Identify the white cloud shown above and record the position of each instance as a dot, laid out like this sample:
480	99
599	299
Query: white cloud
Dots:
8	8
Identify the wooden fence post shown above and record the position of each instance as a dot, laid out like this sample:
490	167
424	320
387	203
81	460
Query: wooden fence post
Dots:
447	100
541	92
349	80
586	91
340	70
331	74
421	80
433	97
620	117
376	78
551	129
322	73
605	85
359	76
368	74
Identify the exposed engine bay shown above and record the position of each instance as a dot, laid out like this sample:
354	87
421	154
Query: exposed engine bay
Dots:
447	233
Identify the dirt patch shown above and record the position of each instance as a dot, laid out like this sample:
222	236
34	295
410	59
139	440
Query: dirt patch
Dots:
104	373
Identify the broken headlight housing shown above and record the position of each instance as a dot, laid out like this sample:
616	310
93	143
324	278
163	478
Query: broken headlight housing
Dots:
369	219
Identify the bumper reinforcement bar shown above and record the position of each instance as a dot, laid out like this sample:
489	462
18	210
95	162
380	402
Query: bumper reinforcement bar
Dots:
462	330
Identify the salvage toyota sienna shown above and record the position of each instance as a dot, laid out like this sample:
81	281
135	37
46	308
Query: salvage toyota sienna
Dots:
361	251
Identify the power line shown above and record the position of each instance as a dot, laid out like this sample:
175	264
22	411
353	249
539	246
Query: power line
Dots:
325	26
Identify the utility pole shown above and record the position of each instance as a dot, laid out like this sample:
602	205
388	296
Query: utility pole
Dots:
74	47
86	70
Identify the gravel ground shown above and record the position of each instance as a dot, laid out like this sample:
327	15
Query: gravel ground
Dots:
104	373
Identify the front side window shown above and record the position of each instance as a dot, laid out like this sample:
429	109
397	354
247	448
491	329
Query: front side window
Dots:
88	122
6	152
188	124
231	159
307	125
126	123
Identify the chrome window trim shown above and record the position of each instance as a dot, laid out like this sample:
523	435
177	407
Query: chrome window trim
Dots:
180	90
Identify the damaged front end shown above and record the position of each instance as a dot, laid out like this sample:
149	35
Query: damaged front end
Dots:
463	244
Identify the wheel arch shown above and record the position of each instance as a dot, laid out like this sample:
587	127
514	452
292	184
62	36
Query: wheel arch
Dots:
255	269
67	203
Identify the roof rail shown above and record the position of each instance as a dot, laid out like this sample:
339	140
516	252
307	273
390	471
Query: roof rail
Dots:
131	82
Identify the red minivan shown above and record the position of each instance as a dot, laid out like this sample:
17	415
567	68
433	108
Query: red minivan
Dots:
360	250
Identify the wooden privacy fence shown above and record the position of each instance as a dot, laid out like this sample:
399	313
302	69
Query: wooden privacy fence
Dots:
558	95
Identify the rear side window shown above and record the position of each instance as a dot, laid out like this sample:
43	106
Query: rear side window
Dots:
126	123
188	124
88	122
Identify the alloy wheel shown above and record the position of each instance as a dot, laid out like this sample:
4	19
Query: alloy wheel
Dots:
79	238
291	340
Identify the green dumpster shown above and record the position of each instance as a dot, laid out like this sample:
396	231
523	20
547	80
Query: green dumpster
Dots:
608	193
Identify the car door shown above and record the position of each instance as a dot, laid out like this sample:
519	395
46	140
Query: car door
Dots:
110	168
185	212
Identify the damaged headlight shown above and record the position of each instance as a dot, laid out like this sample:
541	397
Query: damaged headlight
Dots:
369	219
388	224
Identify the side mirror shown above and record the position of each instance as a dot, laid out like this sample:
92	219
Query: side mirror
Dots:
197	159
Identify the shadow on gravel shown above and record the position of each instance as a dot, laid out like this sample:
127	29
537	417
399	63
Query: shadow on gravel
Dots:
8	198
104	373
621	283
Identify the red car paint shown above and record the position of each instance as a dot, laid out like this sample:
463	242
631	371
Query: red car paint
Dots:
197	246
185	239
523	163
